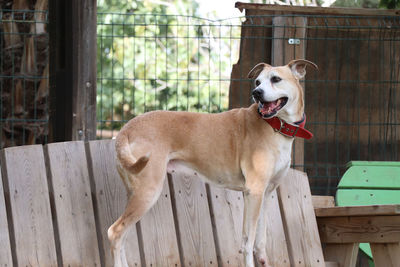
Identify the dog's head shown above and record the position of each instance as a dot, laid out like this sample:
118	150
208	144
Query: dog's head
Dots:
278	90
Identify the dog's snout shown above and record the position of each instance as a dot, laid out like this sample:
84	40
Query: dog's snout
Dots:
258	93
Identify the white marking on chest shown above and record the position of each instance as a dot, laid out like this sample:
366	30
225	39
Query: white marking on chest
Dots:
283	158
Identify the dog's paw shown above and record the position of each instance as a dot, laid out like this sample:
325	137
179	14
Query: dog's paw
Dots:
262	260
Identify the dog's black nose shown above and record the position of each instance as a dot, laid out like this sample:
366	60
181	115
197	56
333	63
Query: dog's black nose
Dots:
258	94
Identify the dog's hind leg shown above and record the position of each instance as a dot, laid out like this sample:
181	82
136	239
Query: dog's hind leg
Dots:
147	188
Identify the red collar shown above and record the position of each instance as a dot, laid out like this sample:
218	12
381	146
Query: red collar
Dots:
290	130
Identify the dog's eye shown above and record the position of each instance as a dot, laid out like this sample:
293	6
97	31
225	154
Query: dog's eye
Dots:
275	79
258	82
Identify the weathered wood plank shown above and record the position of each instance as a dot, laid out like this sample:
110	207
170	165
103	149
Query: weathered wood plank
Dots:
5	251
387	255
30	206
362	229
373	210
227	210
160	245
299	221
344	254
72	30
255	47
73	203
277	250
111	198
194	222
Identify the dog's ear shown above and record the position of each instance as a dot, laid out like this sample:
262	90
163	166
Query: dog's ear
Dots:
298	67
256	70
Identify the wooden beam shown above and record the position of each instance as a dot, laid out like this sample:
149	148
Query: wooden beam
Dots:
323	201
273	9
72	70
359	229
387	255
373	210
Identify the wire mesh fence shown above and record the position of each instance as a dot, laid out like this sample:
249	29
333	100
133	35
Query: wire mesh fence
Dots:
23	77
174	62
148	62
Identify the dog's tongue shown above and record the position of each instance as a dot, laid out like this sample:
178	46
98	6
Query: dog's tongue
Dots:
268	107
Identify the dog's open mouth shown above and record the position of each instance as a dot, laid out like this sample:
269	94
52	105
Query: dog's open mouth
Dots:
269	109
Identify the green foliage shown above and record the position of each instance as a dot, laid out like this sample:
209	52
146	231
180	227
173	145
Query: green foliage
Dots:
390	4
357	3
170	62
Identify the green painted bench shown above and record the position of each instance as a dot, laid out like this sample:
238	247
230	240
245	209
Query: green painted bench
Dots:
369	183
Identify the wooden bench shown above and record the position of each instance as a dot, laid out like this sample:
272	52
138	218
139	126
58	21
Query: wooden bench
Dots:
369	183
57	201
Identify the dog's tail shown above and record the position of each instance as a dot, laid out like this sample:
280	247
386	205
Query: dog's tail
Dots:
126	158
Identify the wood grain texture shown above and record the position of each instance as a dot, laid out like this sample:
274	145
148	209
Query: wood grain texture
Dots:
73	203
160	243
227	210
282	53
373	210
299	220
344	254
323	201
30	206
277	250
5	251
361	229
386	255
111	198
194	222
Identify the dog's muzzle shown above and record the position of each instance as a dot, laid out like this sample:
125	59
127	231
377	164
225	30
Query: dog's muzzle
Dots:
268	109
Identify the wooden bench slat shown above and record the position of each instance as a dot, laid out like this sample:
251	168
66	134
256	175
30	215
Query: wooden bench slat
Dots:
5	251
30	206
323	201
299	220
110	198
227	210
358	211
371	175
73	202
194	222
160	243
357	197
277	249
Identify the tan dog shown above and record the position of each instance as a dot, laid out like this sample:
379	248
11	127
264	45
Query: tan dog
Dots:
236	149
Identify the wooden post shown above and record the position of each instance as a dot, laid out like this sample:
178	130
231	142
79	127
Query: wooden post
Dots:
289	43
72	70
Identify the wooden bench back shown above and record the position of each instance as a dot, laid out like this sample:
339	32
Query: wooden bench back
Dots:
369	183
57	202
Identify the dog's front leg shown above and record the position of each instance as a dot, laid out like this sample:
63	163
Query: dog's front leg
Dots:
261	237
260	246
252	206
